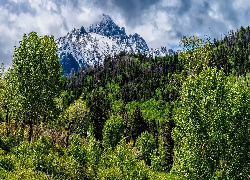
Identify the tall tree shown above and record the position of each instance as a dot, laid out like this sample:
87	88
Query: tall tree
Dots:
9	98
98	113
38	77
137	124
196	56
212	128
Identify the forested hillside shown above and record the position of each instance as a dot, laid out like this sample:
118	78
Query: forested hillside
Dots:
184	116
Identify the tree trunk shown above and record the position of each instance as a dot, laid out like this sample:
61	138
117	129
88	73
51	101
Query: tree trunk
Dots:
7	123
68	133
125	117
30	129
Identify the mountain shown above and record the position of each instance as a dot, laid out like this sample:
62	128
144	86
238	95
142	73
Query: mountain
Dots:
85	48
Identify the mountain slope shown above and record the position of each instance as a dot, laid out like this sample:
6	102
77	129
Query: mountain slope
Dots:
85	48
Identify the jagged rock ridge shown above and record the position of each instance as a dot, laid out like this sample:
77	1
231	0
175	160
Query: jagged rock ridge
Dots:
85	48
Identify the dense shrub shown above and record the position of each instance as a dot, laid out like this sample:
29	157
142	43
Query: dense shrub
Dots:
93	154
112	131
77	150
6	162
122	164
146	144
76	114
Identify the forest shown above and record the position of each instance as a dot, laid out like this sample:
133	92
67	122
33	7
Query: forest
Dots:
182	116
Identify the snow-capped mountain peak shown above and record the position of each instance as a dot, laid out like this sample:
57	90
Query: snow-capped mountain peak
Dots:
82	47
107	28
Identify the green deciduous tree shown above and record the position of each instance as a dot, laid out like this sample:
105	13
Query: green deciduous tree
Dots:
76	119
1	91
121	163
38	78
196	56
212	130
146	144
10	106
113	131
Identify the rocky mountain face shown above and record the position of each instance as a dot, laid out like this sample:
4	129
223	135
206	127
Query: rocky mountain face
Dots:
85	48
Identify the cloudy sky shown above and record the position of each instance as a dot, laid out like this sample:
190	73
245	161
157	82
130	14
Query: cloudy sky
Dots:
159	22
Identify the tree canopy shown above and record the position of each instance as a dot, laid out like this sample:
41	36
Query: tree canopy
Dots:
38	77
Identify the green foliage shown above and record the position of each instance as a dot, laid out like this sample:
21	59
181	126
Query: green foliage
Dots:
23	173
77	150
158	110
117	106
197	54
166	145
10	106
122	164
131	106
212	128
77	114
155	161
146	144
137	124
134	96
98	113
112	131
93	155
37	76
57	162
7	143
6	162
114	90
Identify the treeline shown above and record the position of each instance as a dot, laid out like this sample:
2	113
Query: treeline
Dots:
138	76
232	52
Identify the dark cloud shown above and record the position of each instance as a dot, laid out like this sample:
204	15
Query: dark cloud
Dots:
18	7
131	10
199	21
192	17
203	9
230	13
185	7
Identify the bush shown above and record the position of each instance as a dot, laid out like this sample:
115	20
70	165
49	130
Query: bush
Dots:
77	114
155	161
122	164
112	131
93	154
146	144
77	150
6	162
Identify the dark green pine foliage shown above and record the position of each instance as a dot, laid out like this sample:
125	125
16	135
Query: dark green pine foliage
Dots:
137	75
137	124
126	125
166	143
98	113
153	130
232	52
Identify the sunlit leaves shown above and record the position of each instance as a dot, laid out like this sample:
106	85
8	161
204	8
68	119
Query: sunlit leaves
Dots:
77	113
212	127
146	144
112	131
37	75
196	56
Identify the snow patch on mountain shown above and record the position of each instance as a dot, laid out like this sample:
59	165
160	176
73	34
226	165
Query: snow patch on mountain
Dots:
85	48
